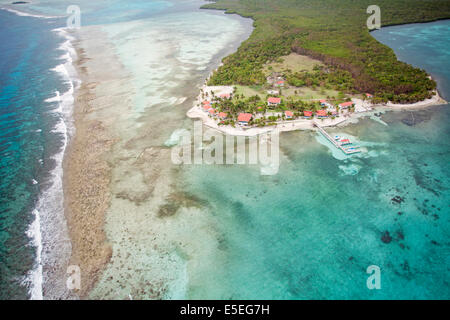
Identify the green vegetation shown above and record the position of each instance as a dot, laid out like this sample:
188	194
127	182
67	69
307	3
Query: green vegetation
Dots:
334	32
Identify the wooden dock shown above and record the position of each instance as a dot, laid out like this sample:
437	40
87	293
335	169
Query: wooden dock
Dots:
333	141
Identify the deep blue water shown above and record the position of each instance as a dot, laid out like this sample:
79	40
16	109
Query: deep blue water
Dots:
28	52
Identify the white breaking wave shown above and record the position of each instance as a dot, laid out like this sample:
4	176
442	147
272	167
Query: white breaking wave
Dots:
49	232
26	14
34	277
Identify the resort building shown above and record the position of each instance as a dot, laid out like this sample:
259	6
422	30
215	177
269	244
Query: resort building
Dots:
222	115
244	118
346	105
272	101
322	114
307	114
325	103
368	95
288	114
280	83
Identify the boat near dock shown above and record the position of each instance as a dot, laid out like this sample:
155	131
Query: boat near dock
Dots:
339	142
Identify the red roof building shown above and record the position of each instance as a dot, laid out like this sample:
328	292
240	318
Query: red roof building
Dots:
368	95
244	117
322	113
288	114
346	104
206	102
225	95
222	115
273	100
212	111
307	113
206	107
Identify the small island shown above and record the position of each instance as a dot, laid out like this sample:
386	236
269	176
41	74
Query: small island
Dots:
299	93
303	67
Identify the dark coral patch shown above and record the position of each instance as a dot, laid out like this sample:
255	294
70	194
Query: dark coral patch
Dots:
386	237
398	199
168	210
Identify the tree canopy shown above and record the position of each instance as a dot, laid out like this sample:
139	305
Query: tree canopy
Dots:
334	32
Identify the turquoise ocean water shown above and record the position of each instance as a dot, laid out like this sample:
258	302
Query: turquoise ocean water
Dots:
29	50
311	231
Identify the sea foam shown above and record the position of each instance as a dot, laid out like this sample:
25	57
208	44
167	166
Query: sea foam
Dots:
48	231
33	15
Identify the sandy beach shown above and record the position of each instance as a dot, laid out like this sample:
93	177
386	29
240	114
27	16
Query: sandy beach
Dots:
436	99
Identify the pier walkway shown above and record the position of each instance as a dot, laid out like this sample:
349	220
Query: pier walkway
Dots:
333	141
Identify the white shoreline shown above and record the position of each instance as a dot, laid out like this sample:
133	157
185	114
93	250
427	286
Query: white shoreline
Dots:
362	109
434	100
50	225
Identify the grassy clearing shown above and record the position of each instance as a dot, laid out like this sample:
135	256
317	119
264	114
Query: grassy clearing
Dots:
303	93
293	62
249	91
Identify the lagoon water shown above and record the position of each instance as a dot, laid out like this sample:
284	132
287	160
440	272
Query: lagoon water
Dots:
310	231
423	45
